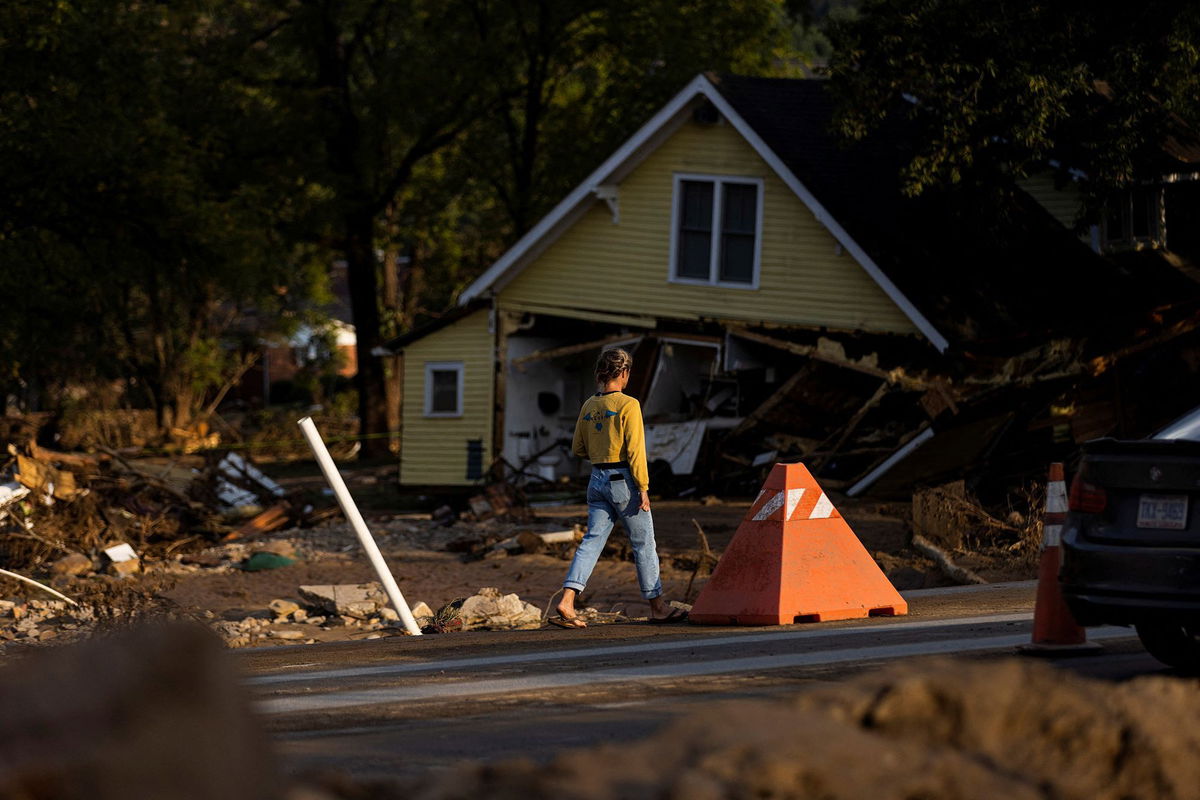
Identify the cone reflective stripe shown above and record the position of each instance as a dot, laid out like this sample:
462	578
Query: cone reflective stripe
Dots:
1054	629
1056	507
794	558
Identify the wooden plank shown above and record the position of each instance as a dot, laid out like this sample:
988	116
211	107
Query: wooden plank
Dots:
851	426
765	407
568	350
815	353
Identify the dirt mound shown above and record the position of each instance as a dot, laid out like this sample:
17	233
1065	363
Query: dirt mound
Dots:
1012	730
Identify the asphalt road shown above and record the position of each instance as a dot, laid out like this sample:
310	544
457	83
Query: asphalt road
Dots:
403	705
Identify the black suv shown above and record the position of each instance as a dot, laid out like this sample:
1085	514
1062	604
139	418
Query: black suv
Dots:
1131	542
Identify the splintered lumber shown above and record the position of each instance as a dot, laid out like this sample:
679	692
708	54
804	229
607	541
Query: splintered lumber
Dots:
765	407
851	426
818	354
939	556
269	520
569	350
553	537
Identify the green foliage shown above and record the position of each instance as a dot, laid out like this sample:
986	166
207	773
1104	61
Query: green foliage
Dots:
135	230
1009	85
176	177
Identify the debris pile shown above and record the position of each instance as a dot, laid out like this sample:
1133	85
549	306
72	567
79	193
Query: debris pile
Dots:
487	610
91	511
364	609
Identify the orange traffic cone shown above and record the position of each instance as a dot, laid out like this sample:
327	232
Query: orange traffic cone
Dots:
794	559
1055	631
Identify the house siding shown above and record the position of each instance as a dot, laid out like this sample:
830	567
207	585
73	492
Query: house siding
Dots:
805	277
434	450
1063	204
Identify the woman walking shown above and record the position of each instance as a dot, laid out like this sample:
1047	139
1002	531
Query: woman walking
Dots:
609	434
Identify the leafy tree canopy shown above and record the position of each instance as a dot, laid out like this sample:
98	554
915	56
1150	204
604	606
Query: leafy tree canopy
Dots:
1014	84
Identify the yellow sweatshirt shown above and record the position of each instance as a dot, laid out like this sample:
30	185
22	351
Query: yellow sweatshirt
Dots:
609	429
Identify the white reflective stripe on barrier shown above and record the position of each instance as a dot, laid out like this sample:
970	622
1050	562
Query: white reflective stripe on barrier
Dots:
1056	497
770	507
793	499
823	509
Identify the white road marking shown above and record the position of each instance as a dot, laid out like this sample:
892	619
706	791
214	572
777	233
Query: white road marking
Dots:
533	683
632	649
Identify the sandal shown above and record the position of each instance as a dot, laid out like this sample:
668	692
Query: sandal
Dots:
677	615
567	622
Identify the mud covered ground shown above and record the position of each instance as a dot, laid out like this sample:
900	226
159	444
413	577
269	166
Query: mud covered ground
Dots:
937	730
430	567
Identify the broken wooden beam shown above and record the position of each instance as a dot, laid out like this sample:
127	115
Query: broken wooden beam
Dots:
851	426
271	519
569	350
765	407
895	376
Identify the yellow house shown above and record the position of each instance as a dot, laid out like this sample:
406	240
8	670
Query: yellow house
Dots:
726	236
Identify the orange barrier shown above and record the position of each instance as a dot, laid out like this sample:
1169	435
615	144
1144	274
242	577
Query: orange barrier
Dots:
794	559
1054	629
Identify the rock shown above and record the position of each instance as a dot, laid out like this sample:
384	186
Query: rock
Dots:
318	620
71	565
7	606
510	606
479	608
124	569
421	609
347	599
388	614
299	615
283	608
286	634
489	610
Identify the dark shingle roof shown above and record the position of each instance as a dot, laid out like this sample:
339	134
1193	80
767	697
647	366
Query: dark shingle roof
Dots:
986	268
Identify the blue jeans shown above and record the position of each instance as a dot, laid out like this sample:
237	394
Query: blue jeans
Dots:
612	495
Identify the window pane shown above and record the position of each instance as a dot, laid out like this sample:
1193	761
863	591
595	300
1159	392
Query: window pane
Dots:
694	243
695	253
1143	213
737	258
741	202
444	393
697	206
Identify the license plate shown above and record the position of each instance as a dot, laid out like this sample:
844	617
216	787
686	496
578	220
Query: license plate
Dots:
1167	511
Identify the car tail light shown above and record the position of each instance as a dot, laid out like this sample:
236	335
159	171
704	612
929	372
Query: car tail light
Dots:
1086	497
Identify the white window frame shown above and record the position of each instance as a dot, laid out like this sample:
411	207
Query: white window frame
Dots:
1157	236
714	257
443	366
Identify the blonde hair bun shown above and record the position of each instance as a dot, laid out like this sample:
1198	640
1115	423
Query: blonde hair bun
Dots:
612	363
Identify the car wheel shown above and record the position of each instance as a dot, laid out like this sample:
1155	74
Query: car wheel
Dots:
1175	645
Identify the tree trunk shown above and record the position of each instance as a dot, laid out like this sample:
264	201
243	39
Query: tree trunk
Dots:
364	305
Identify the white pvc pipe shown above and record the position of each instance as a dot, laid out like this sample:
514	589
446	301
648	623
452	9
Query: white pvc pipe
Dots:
356	521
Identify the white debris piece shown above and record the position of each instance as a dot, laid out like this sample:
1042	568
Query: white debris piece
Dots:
235	470
120	552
